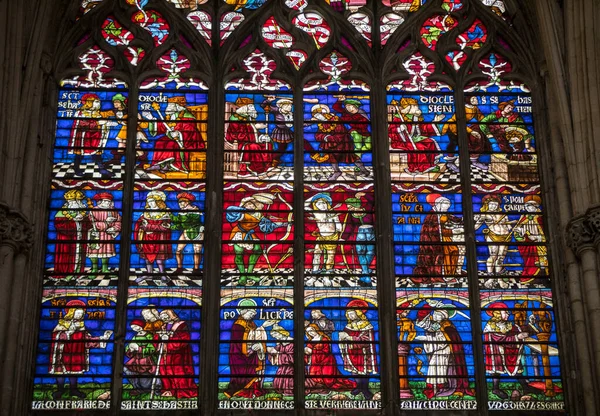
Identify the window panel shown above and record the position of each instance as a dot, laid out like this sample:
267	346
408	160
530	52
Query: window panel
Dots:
75	341
256	349
75	346
341	320
161	362
256	337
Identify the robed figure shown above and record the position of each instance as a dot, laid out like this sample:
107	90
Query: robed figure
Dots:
434	259
72	225
246	354
175	358
282	356
408	132
357	345
530	229
180	135
335	142
447	368
153	231
323	375
253	150
70	348
503	348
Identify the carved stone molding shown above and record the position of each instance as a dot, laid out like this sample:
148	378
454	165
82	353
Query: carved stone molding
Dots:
15	229
593	216
583	232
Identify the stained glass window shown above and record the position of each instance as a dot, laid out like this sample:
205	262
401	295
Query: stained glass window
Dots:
260	205
341	314
257	330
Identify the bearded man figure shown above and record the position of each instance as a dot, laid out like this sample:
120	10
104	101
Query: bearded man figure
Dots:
357	345
180	135
252	147
72	225
105	224
89	134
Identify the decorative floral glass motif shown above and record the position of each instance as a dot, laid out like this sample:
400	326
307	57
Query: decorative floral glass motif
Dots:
116	35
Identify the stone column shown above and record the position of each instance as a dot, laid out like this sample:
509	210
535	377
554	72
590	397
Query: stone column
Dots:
583	234
16	238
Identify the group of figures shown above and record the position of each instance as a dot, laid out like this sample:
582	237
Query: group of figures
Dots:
516	347
85	230
252	348
261	148
497	135
335	231
499	229
435	345
76	346
171	136
157	226
356	346
336	137
159	356
257	351
441	251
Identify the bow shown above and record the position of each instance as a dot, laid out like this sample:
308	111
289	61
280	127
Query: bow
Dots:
287	232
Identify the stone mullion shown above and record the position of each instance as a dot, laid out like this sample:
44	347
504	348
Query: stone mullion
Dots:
386	278
125	252
298	204
471	255
582	68
211	279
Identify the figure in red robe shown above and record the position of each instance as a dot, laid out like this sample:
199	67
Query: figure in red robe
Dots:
434	259
357	122
70	349
357	345
530	230
89	133
175	358
152	232
323	375
72	225
180	136
408	132
503	348
253	149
